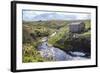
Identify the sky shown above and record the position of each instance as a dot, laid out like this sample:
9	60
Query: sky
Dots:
31	15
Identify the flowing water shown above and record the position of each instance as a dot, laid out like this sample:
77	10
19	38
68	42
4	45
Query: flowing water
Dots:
57	54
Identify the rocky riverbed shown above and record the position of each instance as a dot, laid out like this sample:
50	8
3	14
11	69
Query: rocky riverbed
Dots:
56	54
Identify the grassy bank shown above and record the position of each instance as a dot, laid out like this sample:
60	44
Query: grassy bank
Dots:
33	32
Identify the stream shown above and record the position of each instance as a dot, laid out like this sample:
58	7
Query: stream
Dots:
56	54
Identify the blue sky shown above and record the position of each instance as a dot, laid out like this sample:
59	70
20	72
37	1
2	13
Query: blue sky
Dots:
29	15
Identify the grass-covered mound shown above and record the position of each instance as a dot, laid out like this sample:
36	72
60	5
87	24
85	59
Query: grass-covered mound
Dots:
68	41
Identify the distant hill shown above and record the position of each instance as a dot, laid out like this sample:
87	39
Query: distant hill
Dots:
54	16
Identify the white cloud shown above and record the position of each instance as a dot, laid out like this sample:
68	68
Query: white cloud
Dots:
29	14
79	15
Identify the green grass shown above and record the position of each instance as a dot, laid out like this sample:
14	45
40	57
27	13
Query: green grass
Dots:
30	54
86	34
63	39
33	32
58	36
